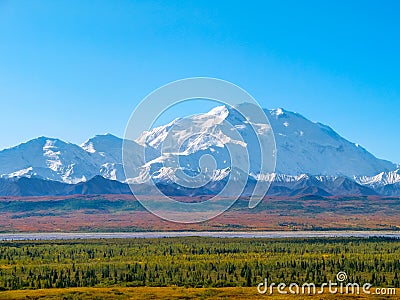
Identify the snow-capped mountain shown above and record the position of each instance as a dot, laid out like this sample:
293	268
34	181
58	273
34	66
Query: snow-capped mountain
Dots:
381	179
313	148
385	183
53	159
48	158
222	135
303	147
305	184
106	152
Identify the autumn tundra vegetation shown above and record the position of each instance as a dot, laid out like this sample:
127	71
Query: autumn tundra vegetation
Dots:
195	262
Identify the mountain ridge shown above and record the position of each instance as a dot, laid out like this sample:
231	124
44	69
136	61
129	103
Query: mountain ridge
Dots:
302	186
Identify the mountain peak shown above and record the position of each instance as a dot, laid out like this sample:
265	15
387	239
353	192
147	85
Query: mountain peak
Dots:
110	135
42	141
106	136
102	143
278	112
221	110
45	138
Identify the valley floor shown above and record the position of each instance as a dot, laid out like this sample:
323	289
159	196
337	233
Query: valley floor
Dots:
164	293
116	213
195	267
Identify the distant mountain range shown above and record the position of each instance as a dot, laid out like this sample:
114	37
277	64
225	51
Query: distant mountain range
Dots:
311	159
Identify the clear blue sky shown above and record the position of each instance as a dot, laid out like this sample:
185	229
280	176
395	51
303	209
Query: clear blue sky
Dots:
73	69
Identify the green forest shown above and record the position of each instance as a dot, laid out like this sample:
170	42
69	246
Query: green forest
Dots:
196	262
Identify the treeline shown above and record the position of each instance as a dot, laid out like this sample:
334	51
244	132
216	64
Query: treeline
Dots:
196	262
